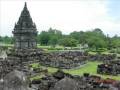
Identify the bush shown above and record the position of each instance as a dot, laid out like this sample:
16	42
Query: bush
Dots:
54	48
118	51
115	51
98	50
112	51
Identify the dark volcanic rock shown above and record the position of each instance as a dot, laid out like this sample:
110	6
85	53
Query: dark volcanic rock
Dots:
69	82
111	67
59	74
66	84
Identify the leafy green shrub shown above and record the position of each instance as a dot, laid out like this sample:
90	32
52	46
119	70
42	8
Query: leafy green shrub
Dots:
54	48
98	50
118	51
112	51
115	51
76	48
102	49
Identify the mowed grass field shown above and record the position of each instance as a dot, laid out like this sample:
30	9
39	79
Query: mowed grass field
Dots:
90	67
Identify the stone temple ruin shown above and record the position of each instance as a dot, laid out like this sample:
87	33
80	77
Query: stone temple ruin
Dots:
15	70
64	81
25	31
26	51
109	68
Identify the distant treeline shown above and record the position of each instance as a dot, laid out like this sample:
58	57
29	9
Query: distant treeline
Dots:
94	39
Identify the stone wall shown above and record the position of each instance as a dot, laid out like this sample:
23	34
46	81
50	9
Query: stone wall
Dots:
110	68
102	57
67	60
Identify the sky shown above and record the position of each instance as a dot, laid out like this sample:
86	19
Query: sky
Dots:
64	15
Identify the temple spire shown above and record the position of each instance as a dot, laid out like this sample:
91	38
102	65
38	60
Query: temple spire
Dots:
25	6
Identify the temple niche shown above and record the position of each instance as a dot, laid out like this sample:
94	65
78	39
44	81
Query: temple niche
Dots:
25	31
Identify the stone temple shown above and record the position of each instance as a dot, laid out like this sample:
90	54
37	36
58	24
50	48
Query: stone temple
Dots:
16	71
25	31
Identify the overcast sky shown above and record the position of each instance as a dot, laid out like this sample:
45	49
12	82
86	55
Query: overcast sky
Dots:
64	15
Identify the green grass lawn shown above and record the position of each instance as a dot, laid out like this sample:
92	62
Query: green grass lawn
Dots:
90	67
43	47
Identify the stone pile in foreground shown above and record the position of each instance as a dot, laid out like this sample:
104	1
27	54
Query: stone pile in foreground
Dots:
64	81
17	80
109	68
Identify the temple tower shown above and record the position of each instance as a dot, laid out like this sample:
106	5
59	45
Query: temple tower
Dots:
25	32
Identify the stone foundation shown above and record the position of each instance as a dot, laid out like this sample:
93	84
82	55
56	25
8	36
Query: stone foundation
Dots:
66	60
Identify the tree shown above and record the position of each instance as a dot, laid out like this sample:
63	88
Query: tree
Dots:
68	42
55	32
53	41
116	42
6	39
98	31
49	37
79	36
44	38
109	42
96	42
1	39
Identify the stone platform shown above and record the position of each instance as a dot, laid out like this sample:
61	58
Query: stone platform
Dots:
65	60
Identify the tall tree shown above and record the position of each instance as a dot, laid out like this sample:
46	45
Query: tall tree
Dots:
44	38
68	42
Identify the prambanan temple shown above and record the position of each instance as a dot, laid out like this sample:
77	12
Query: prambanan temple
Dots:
25	31
26	50
18	73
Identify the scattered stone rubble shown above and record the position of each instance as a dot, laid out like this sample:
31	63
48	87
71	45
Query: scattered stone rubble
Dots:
20	59
67	60
17	80
64	81
110	68
64	60
58	81
102	57
5	67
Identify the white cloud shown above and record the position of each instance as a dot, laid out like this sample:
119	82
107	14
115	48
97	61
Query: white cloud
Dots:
66	16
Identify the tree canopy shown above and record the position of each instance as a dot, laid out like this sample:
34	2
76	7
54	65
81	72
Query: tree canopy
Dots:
93	38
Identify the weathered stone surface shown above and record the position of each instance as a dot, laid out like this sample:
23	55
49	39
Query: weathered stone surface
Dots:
110	67
102	57
67	60
66	84
15	80
59	74
69	82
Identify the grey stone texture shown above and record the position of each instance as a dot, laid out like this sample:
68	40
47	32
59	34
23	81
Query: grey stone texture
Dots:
15	80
